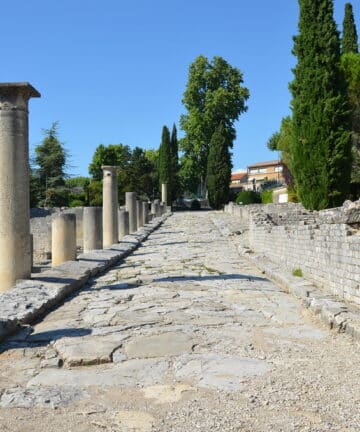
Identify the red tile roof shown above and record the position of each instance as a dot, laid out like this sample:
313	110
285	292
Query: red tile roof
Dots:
238	176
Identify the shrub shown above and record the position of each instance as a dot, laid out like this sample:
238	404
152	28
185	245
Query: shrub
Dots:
266	197
297	272
292	195
195	205
76	203
248	197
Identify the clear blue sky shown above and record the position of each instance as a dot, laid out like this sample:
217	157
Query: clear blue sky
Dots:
114	71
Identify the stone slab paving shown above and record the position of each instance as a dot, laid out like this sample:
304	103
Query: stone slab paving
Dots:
184	335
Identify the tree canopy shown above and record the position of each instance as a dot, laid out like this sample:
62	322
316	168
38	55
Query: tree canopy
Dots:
218	169
165	162
214	94
47	184
349	40
321	146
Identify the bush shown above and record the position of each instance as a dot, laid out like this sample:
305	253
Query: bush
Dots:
248	197
292	195
266	197
76	203
297	272
195	205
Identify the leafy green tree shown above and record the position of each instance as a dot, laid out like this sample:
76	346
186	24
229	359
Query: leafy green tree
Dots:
218	169
94	192
189	175
214	94
139	175
112	154
349	41
78	191
153	157
321	147
48	175
281	141
165	162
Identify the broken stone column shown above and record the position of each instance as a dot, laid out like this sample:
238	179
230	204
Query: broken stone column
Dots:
15	246
145	210
139	214
123	223
92	228
157	208
110	206
130	202
164	197
63	238
153	209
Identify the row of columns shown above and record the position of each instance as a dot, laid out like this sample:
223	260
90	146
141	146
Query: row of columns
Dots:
98	224
102	227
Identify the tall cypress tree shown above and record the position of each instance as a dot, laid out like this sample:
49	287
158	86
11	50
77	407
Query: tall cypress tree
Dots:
165	162
349	41
218	169
175	192
321	147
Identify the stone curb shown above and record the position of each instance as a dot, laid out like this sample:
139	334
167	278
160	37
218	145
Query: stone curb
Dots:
30	299
338	315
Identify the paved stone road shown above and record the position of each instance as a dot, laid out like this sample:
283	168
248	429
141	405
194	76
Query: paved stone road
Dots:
184	335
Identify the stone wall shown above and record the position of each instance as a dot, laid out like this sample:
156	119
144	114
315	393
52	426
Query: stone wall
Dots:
325	245
40	228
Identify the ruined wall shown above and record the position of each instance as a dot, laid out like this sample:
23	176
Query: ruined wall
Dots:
325	245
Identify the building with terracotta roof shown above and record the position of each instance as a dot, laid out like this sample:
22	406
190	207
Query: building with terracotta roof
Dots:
238	181
262	173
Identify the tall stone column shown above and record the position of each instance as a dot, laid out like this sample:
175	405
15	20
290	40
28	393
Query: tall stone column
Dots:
110	205
63	239
15	246
92	228
164	197
130	203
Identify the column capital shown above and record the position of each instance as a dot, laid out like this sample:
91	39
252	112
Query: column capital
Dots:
15	96
25	88
111	168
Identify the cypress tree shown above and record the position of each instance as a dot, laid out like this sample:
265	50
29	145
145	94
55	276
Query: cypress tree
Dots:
321	142
165	161
218	169
175	192
349	41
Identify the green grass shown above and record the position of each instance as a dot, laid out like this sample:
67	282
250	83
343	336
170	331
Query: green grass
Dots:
297	272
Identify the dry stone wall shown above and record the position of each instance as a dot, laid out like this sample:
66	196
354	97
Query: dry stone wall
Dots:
325	245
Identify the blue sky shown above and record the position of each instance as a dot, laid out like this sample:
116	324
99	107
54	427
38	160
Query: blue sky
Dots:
114	71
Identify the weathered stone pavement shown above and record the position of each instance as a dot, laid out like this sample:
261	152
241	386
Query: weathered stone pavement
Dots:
183	335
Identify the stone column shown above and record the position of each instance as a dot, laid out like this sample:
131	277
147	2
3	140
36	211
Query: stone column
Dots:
130	202
123	223
63	239
145	210
92	228
139	215
15	247
153	209
164	197
157	208
110	206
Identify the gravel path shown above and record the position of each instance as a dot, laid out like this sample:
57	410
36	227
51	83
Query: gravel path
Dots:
184	335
